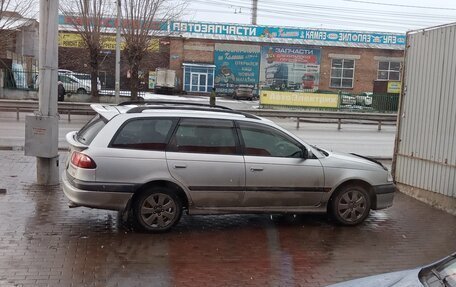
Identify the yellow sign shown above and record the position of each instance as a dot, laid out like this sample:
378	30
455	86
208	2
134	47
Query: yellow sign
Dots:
299	99
108	42
394	87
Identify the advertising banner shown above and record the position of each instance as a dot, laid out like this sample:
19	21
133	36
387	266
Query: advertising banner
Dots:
237	67
300	99
271	32
287	68
323	36
108	42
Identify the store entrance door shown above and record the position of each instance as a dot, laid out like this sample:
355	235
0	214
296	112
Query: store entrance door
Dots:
198	82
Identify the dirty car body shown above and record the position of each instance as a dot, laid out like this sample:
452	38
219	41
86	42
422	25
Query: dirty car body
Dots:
156	160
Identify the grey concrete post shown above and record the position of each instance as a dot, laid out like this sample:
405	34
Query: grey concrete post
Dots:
47	168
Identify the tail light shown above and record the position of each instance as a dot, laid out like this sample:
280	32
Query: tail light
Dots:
83	161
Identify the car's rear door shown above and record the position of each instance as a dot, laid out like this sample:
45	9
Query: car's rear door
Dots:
277	175
204	155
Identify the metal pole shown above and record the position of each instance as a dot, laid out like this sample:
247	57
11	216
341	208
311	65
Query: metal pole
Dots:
117	85
254	11
47	167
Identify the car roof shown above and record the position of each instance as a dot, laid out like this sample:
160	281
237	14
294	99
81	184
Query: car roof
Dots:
164	108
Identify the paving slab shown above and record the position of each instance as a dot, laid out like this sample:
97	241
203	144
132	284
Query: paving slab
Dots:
45	243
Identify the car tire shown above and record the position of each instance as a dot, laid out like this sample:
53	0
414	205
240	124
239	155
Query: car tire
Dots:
351	205
81	91
156	210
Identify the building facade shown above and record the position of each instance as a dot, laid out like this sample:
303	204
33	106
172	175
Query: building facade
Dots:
226	56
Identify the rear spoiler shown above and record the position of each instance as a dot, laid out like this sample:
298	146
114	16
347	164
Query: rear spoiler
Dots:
71	139
106	111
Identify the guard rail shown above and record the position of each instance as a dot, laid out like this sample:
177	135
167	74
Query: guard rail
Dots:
84	109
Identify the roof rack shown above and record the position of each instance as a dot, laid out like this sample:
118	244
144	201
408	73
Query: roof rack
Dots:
205	108
155	102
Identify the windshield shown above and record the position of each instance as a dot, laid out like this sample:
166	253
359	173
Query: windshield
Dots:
91	129
442	274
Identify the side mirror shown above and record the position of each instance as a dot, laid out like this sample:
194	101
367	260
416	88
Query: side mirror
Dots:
305	153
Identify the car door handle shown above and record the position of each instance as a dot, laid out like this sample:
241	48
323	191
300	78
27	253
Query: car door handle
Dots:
180	166
256	169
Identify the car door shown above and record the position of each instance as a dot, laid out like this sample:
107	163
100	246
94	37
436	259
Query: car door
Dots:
204	155
277	174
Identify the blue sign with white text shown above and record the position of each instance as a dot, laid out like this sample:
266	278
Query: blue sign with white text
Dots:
237	66
288	33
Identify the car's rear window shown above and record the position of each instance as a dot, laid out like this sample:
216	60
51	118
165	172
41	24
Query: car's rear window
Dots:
91	129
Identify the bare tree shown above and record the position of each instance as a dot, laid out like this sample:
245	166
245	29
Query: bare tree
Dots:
141	24
12	13
87	18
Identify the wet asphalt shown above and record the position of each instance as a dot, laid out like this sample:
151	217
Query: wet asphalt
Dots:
45	243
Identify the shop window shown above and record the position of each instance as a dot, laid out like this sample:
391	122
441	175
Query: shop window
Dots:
342	73
389	71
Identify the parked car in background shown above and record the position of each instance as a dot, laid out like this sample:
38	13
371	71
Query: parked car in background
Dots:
243	92
439	274
157	159
83	78
73	84
86	78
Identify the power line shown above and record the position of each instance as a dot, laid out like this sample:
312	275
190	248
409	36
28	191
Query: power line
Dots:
376	13
401	5
326	15
334	22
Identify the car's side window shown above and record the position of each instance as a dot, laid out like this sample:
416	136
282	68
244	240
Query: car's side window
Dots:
205	136
263	141
147	134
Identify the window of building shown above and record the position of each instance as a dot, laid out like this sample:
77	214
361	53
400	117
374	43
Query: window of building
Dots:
342	73
203	136
146	134
389	71
198	78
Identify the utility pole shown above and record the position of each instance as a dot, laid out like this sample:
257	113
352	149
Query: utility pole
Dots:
254	11
41	137
117	84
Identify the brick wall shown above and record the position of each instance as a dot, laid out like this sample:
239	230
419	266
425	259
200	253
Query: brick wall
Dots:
201	51
365	67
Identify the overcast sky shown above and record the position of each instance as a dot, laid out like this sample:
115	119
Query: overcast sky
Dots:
371	15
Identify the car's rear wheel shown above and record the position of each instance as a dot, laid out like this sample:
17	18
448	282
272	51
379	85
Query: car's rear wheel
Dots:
351	205
157	209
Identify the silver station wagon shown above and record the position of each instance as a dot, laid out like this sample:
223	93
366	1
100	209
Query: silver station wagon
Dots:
155	160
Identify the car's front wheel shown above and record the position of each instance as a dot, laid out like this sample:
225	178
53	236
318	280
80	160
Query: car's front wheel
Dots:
157	210
351	205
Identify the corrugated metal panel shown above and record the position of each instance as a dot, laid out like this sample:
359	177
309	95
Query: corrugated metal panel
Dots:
426	150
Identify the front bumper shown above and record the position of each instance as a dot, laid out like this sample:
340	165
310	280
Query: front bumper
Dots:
384	195
95	199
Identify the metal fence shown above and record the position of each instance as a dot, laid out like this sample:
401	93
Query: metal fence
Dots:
73	83
19	79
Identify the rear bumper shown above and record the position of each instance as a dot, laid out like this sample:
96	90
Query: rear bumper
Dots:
384	195
95	198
